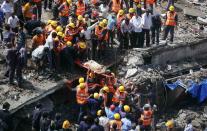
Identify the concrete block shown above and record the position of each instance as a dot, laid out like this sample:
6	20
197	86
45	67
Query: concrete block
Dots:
193	12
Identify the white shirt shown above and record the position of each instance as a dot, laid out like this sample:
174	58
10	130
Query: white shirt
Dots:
7	7
87	32
49	42
188	127
146	21
126	28
136	22
103	120
104	10
38	52
13	21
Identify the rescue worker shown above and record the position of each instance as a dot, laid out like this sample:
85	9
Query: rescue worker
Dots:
107	96
131	13
51	27
146	117
120	95
80	48
111	29
66	126
6	118
37	40
80	8
150	4
71	32
117	121
170	125
59	29
80	23
119	18
38	8
21	62
82	99
28	11
170	23
64	11
116	5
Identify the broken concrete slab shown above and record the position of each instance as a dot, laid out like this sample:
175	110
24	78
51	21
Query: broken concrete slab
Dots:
202	21
193	12
131	72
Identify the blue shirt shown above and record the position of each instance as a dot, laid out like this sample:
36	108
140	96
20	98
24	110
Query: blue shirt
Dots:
111	23
126	124
109	113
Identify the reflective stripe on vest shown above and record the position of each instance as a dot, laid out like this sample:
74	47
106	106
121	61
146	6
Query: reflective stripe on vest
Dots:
80	9
171	19
65	10
81	96
116	6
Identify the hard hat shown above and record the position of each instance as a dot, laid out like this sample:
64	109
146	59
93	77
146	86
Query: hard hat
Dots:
101	24
112	107
139	5
60	34
99	113
147	106
59	29
172	8
121	89
95	95
80	17
72	25
121	12
82	85
69	1
69	44
169	124
82	45
105	21
131	10
56	39
49	22
81	80
106	89
117	116
54	23
126	108
66	124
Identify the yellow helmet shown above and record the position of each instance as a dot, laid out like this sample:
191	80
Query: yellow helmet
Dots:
69	1
72	25
54	23
70	44
60	34
106	88
82	85
59	29
121	12
105	21
99	113
126	108
139	5
121	89
131	10
66	124
171	8
56	39
95	95
82	45
117	116
80	17
101	24
49	22
169	124
81	79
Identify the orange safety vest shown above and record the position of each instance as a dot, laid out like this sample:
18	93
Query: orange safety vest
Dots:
65	10
98	32
82	95
81	8
116	6
146	117
118	123
120	18
150	2
119	96
69	34
171	19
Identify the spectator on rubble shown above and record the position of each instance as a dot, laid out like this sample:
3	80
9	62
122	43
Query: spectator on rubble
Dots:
188	126
6	121
8	36
21	39
7	8
45	121
32	24
36	115
156	28
13	22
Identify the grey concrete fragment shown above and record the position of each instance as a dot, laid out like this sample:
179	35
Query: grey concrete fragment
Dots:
131	72
193	12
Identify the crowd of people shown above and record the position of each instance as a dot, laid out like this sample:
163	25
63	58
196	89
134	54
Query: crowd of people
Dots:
78	30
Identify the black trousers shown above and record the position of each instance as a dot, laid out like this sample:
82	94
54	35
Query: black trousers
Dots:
155	35
55	11
167	30
146	34
47	3
137	40
111	37
124	41
38	10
